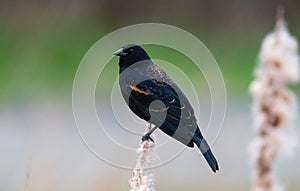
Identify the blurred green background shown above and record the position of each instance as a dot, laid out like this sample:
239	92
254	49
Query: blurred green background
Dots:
43	42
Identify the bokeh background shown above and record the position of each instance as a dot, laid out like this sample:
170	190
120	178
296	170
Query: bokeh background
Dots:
41	46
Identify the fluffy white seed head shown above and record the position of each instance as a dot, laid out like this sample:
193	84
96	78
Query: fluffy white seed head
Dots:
274	105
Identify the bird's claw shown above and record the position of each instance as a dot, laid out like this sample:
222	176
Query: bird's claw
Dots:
147	137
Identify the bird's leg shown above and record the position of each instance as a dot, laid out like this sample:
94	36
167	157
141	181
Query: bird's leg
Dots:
147	135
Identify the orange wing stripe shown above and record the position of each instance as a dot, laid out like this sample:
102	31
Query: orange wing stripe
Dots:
134	88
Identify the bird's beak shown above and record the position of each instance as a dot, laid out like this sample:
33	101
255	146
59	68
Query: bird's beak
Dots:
120	52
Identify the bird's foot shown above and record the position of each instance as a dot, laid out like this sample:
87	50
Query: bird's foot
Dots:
147	137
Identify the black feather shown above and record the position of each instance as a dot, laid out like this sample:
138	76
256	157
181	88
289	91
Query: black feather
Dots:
153	96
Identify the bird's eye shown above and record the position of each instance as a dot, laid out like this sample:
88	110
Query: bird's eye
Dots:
128	50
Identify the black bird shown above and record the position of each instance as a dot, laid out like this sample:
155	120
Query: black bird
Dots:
153	96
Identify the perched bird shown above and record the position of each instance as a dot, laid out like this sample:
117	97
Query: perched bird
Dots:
153	96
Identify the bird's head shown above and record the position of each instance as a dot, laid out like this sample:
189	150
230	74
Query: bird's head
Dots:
130	54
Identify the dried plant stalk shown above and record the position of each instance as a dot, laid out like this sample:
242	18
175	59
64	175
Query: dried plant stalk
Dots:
274	106
141	181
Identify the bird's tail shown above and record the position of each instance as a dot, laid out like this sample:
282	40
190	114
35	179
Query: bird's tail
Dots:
206	151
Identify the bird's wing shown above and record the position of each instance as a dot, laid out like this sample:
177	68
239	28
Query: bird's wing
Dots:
175	105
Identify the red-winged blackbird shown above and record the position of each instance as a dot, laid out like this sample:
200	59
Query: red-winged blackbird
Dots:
153	96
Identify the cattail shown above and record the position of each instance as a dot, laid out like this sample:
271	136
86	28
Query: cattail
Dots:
274	105
141	181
